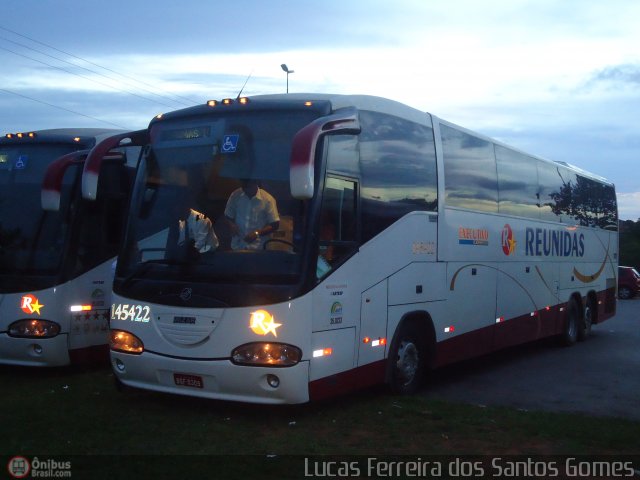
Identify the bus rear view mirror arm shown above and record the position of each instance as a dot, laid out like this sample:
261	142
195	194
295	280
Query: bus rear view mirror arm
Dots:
94	160
303	149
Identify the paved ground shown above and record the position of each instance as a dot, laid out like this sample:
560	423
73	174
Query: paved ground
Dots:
600	376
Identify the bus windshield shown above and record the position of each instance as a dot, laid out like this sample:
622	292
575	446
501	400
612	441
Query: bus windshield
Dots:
192	221
31	240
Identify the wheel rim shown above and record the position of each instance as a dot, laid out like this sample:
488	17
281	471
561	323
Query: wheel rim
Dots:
408	361
588	318
572	328
624	293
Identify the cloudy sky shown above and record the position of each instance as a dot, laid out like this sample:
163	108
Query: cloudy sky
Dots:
556	78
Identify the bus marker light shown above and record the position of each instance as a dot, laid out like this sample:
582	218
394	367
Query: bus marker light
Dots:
323	352
449	329
80	308
499	319
378	342
76	139
308	104
212	103
227	101
366	340
262	323
243	100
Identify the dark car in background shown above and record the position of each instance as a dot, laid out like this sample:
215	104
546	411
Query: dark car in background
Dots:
628	282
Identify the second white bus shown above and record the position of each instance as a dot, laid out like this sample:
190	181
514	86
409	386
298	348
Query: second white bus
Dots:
57	249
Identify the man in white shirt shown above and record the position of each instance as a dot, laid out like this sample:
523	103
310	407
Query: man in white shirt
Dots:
252	214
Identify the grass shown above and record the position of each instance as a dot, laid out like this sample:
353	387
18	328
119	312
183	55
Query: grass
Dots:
77	412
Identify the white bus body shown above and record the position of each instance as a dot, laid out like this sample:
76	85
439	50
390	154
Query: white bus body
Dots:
405	243
57	250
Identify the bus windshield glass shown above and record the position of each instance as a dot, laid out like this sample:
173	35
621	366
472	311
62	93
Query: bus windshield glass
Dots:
212	203
31	240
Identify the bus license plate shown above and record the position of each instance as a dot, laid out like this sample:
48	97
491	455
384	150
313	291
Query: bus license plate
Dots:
184	380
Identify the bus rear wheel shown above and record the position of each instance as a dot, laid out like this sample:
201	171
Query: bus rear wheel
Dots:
572	322
587	320
407	361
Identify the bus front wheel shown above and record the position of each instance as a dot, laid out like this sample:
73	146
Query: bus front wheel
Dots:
407	360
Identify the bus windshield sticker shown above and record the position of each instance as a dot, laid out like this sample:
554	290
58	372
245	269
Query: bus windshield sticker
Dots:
21	162
230	143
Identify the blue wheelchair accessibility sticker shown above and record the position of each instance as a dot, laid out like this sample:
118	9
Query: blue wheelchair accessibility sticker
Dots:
21	162
230	143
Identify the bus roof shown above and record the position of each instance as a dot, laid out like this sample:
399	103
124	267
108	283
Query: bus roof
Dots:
364	102
58	135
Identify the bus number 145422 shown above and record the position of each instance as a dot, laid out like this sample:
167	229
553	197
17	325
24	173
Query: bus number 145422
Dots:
134	313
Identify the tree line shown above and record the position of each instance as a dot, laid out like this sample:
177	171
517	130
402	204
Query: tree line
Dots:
630	243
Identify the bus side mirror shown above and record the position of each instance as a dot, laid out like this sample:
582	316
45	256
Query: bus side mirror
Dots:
52	182
303	148
99	152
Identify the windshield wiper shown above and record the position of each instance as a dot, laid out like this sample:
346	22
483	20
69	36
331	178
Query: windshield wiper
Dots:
144	267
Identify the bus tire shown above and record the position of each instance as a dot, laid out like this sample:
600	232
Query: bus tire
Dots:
572	322
407	360
587	320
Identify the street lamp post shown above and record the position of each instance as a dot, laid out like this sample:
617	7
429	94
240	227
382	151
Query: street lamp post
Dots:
286	69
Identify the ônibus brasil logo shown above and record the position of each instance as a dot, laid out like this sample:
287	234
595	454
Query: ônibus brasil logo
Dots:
508	242
19	467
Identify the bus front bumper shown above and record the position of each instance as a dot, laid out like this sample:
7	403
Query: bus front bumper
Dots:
215	379
34	352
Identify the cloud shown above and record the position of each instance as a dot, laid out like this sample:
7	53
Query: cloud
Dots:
615	77
629	206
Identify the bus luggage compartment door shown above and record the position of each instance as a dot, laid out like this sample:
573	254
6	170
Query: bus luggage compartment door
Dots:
373	324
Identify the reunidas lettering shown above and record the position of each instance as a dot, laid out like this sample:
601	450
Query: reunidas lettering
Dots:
541	242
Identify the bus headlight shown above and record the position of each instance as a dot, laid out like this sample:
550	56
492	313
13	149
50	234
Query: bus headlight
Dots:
126	342
266	354
33	328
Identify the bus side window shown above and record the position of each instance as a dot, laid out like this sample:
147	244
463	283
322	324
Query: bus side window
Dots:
338	224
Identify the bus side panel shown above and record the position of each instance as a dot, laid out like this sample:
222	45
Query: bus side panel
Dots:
518	302
93	288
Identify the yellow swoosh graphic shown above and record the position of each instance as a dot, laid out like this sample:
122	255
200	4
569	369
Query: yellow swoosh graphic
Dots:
590	278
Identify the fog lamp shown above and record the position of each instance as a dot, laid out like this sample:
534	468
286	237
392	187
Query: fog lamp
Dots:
273	381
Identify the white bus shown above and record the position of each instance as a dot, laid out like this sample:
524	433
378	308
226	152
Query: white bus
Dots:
57	249
404	243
